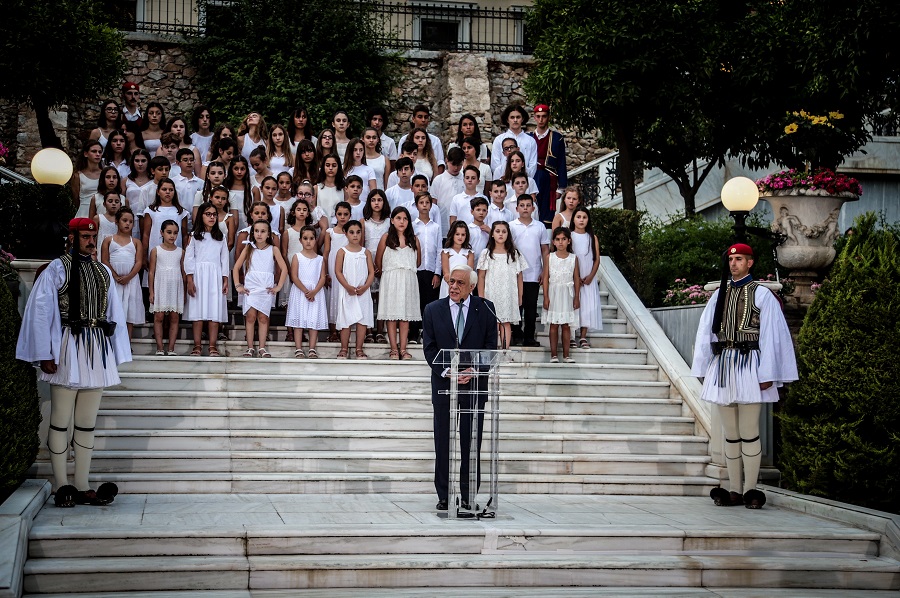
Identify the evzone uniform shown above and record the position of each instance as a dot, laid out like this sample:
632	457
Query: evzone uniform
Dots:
81	329
751	346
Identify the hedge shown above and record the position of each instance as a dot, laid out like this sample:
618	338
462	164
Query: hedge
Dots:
840	423
35	219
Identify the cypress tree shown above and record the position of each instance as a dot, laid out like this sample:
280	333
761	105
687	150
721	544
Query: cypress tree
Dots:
841	420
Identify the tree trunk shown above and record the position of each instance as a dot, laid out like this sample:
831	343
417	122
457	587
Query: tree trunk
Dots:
45	125
626	167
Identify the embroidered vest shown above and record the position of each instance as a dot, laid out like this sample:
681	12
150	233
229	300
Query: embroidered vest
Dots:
94	287
740	320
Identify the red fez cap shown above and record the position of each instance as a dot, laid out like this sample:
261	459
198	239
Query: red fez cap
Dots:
542	108
78	224
740	249
130	86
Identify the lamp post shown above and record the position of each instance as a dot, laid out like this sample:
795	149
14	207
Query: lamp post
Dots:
51	168
739	196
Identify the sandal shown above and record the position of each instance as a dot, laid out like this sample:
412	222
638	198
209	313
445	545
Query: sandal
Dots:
568	360
289	337
394	355
583	343
573	344
214	352
406	356
342	354
312	354
360	354
298	353
369	338
249	352
380	338
263	352
197	351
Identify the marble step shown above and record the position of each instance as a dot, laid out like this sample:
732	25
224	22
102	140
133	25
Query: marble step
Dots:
503	592
475	570
435	538
376	421
397	483
306	440
374	384
377	462
386	368
188	401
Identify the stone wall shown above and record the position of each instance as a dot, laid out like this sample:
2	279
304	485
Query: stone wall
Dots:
451	84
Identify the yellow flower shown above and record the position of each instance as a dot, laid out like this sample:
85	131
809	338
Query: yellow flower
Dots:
836	115
795	113
819	120
803	113
791	128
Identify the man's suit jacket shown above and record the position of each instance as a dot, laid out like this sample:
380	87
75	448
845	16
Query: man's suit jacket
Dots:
439	332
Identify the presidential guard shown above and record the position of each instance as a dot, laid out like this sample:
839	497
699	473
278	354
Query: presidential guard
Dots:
551	175
73	329
744	353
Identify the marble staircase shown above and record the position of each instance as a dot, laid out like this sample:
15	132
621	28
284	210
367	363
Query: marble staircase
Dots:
611	423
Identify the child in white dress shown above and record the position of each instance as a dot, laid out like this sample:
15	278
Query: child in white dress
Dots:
377	214
500	268
398	258
561	293
106	222
571	199
257	262
335	238
586	246
306	306
206	268
456	252
166	285
354	272
123	255
298	218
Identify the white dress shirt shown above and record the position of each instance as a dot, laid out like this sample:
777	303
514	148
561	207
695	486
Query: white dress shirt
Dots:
528	239
429	235
495	214
527	145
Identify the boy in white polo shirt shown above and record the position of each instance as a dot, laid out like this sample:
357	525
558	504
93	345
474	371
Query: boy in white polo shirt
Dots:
497	209
461	208
530	237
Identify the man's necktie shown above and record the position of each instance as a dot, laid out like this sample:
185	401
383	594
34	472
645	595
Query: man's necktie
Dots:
460	322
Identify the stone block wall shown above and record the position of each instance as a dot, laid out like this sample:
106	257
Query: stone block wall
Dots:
451	84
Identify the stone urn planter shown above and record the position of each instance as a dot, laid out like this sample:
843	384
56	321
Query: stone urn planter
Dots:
809	220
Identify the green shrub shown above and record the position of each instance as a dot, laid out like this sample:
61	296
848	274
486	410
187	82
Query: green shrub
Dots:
19	403
35	219
840	423
619	233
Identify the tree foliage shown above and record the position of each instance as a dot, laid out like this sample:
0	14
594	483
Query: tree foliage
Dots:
841	421
270	56
683	85
54	52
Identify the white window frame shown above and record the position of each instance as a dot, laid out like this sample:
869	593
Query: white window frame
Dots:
464	22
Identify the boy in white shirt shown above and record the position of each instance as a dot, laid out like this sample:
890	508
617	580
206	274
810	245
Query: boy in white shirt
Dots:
531	239
461	208
448	184
521	185
186	183
479	230
408	150
497	209
429	234
400	193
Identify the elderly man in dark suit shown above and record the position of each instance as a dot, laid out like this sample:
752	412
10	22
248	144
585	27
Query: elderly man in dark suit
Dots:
466	322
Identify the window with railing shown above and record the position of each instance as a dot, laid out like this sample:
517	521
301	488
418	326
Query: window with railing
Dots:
403	24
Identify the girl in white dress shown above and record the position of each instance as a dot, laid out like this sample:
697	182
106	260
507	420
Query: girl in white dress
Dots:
281	159
426	162
166	286
325	146
206	268
335	238
561	284
165	206
340	123
123	255
306	163
307	191
571	199
258	261
241	193
299	129
106	222
215	177
298	217
116	154
377	161
286	192
354	272
330	190
202	122
457	252
152	127
137	181
355	164
500	268
109	181
586	246
398	258
86	176
252	133
377	214
306	306
268	191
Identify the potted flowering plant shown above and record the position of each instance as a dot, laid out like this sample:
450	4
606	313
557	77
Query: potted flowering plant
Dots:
682	293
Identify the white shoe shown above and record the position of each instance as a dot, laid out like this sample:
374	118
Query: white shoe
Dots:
554	359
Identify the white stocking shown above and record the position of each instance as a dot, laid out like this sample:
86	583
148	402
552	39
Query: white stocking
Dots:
62	404
751	447
729	416
86	406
